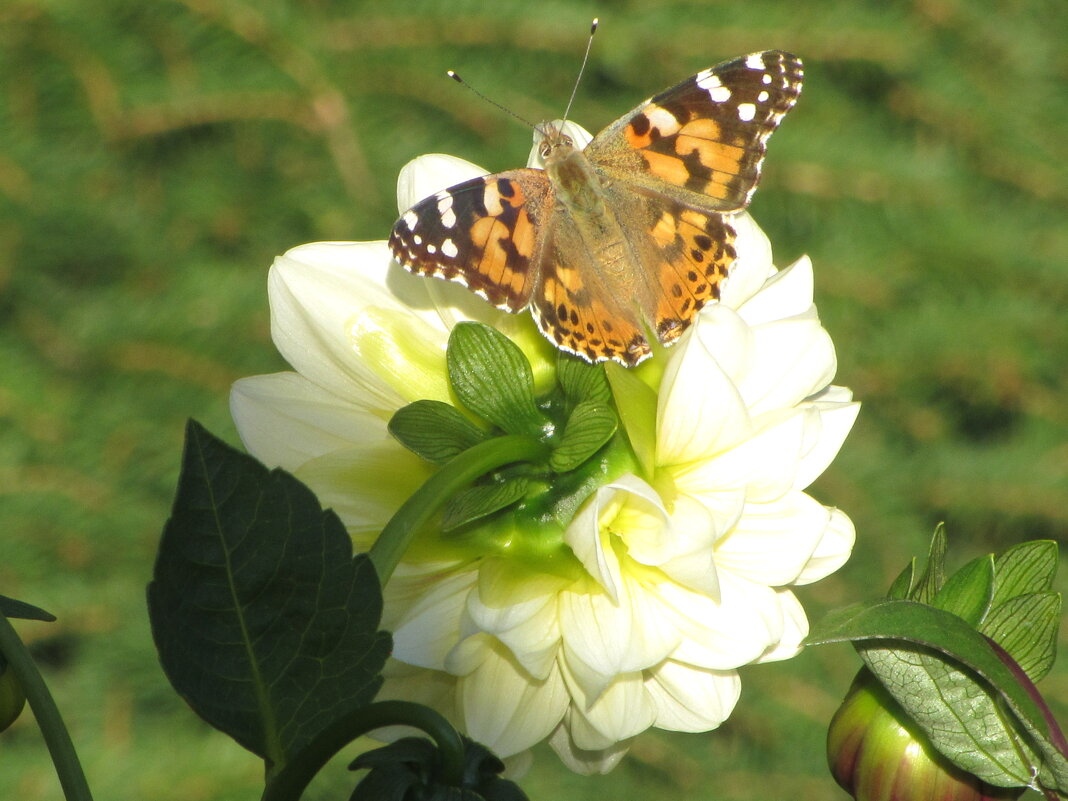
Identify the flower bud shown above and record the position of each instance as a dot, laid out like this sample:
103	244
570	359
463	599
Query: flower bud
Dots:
12	699
876	753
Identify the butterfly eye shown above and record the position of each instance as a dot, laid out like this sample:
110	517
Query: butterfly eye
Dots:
567	140
546	149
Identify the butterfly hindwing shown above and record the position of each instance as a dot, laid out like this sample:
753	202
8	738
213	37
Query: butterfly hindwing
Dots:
483	233
577	311
703	140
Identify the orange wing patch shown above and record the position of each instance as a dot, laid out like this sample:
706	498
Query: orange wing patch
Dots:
697	250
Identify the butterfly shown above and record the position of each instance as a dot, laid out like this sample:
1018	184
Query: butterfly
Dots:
626	239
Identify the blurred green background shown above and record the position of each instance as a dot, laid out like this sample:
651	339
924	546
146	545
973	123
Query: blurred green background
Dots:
156	155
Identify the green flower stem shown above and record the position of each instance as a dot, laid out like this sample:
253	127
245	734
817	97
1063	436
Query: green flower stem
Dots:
56	736
291	780
453	476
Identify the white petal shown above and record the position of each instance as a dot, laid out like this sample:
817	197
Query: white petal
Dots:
603	639
585	762
835	420
692	699
753	264
284	420
340	480
699	410
317	292
765	464
833	549
786	294
790	360
726	634
773	542
423	176
621	710
424	615
528	625
504	708
794	628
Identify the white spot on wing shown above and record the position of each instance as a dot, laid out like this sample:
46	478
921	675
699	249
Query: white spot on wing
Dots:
707	79
492	200
448	247
448	216
663	120
765	79
719	94
431	249
746	112
417	239
410	219
763	97
755	61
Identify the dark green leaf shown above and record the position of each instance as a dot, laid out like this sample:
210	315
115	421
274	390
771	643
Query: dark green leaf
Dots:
407	769
967	592
1025	569
902	585
590	426
934	572
951	685
481	500
492	378
264	622
582	381
434	430
10	607
636	404
1026	627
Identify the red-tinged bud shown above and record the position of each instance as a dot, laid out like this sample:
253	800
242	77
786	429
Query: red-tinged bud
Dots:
12	699
877	754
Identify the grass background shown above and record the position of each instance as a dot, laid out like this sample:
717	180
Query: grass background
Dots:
156	154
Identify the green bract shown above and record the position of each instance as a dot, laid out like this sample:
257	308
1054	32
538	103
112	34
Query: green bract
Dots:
523	508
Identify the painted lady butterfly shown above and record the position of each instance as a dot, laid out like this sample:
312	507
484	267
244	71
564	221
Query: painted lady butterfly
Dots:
631	234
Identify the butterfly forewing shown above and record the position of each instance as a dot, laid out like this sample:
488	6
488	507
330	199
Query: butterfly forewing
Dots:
703	141
483	233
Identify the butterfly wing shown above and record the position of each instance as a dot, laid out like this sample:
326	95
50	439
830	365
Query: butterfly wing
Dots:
702	142
576	309
483	233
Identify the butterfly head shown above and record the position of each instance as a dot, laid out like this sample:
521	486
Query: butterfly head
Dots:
555	145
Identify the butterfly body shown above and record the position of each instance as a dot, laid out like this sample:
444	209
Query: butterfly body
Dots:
627	239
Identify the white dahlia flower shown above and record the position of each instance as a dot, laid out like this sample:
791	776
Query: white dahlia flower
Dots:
675	571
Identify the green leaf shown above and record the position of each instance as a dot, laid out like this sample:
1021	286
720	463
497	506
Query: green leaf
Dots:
967	592
434	430
956	688
902	585
10	607
636	404
1026	627
1025	569
492	378
263	620
480	501
582	381
590	426
934	572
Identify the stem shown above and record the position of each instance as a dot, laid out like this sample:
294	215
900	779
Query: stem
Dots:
290	782
56	736
453	476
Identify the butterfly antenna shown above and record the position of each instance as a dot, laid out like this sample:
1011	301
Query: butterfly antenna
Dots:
456	77
582	69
